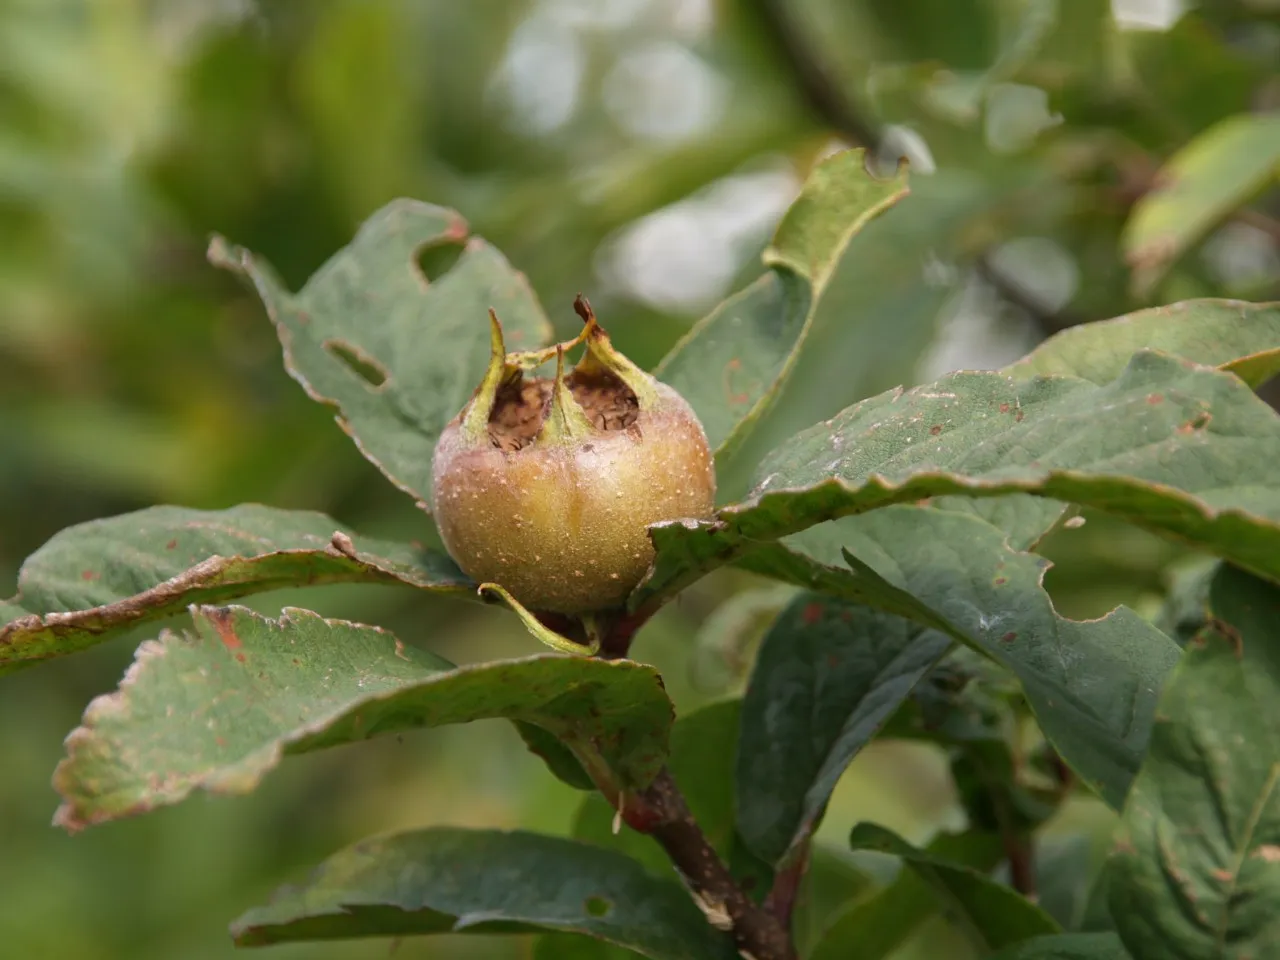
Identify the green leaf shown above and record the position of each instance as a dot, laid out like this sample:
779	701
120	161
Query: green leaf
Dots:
99	578
874	927
1092	685
731	365
1181	450
397	355
218	708
1231	334
486	881
993	915
1067	946
828	675
1198	187
1196	871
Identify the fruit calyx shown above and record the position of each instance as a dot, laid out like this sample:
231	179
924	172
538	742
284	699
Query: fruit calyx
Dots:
605	391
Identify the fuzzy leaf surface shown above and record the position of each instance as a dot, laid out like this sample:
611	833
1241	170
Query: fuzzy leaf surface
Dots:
396	354
1196	870
1182	450
98	578
1230	334
218	708
732	363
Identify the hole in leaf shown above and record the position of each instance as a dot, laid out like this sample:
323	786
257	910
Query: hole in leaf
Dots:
598	906
437	259
360	363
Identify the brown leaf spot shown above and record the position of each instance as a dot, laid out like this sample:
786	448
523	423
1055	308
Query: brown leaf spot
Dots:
88	575
1155	398
1198	422
935	430
1009	637
1268	853
220	617
1004	408
1223	876
400	649
812	613
172	544
1018	416
1000	581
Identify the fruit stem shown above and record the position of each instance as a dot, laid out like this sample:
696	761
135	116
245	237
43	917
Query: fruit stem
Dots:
664	814
531	623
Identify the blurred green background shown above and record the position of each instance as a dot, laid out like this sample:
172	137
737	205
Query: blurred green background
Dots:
636	150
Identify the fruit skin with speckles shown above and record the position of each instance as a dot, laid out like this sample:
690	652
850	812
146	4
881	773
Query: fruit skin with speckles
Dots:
548	488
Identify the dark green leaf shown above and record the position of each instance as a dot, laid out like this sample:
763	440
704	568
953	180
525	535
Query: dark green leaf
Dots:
993	915
1178	449
1232	334
1093	684
95	579
828	675
875	927
732	363
1200	185
218	708
396	354
1196	872
1067	946
478	881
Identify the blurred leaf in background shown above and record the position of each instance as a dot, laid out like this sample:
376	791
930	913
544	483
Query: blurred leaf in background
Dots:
640	151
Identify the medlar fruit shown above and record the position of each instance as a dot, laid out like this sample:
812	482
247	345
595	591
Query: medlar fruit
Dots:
547	487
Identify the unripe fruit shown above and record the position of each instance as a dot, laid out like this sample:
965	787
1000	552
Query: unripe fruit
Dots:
547	486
